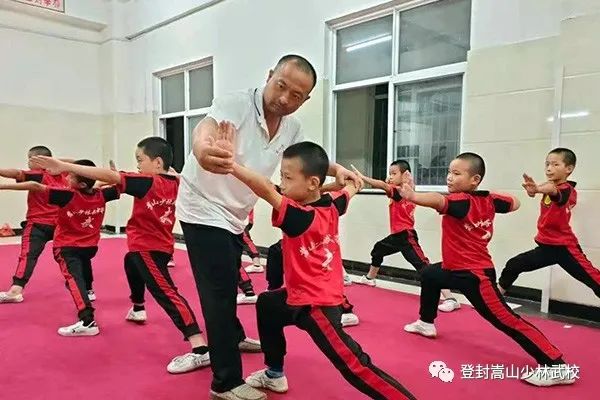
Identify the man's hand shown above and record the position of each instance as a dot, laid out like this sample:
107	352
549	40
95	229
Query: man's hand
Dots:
529	185
342	175
216	155
407	192
52	165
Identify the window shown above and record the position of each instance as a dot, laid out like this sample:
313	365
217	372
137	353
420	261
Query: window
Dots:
398	88
186	93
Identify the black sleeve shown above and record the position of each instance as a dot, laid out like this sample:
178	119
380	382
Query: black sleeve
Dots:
502	206
562	197
33	177
341	203
110	193
296	220
395	195
137	185
458	208
59	197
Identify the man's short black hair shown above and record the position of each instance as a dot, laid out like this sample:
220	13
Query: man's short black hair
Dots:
476	161
40	151
568	156
89	183
155	147
314	159
403	165
301	62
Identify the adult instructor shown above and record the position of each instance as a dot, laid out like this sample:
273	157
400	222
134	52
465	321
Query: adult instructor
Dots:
213	206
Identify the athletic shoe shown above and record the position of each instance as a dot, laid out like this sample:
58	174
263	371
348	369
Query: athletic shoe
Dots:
449	305
79	329
5	297
259	379
422	328
242	392
243	299
347	280
254	269
250	346
549	376
349	319
367	281
139	317
188	362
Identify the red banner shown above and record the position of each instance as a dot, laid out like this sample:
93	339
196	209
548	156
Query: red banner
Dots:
55	5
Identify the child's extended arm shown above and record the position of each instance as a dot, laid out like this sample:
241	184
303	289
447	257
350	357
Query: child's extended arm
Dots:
31	186
55	166
259	184
431	200
376	183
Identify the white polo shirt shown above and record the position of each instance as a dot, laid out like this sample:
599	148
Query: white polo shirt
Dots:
222	200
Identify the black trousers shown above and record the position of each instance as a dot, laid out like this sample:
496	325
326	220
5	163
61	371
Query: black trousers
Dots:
406	242
571	258
215	255
76	266
274	273
323	324
34	239
479	287
148	269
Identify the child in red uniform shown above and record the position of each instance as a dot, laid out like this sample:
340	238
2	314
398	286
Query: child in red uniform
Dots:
80	215
467	228
39	225
556	242
403	237
150	241
313	274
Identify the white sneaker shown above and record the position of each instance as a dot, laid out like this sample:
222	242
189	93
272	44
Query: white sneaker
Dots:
259	379
243	299
366	281
449	305
254	269
549	376
349	319
78	329
422	328
242	392
188	362
5	297
171	263
250	346
347	280
91	295
138	317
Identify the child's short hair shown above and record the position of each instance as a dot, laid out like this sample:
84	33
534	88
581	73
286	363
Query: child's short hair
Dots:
567	155
403	165
155	147
476	161
40	151
89	183
314	159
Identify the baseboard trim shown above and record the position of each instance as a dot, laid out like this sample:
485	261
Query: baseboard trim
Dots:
581	311
112	229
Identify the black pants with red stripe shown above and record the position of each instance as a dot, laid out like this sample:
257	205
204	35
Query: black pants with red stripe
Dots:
406	242
76	266
148	269
34	239
249	246
244	282
216	257
479	287
323	324
570	258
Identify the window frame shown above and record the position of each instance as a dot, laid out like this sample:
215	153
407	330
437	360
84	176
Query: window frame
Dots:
187	112
395	79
